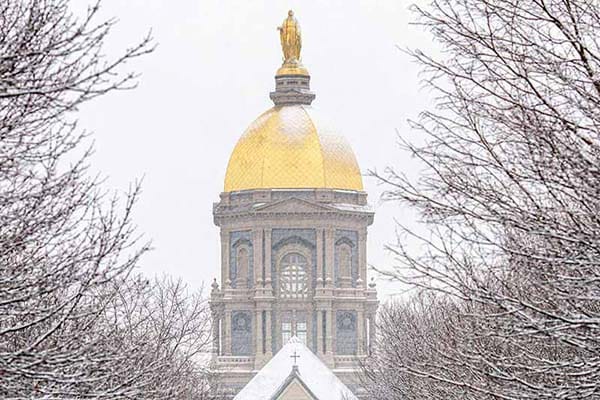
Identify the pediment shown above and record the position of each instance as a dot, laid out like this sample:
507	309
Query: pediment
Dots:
293	205
295	389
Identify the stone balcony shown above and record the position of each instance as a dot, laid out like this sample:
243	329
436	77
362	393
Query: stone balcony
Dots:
235	363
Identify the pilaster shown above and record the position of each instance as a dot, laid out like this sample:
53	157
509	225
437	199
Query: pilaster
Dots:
267	261
257	267
372	328
227	333
269	336
360	332
258	344
216	320
329	256
362	254
329	338
319	332
319	250
225	259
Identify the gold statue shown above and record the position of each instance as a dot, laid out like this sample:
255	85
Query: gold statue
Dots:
291	39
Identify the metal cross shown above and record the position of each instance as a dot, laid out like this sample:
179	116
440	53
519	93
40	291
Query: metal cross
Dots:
295	356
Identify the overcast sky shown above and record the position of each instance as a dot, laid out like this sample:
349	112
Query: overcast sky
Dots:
210	77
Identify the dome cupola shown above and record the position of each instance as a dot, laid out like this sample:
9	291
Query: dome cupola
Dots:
290	146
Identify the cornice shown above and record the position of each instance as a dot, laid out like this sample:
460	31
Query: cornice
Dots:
247	216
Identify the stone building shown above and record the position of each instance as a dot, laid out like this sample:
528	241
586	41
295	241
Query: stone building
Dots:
293	219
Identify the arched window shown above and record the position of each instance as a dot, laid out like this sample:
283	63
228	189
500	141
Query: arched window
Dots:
293	277
242	267
345	261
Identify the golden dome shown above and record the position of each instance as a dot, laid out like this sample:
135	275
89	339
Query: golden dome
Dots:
288	147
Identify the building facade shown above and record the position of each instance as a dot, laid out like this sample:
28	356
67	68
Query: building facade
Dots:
293	219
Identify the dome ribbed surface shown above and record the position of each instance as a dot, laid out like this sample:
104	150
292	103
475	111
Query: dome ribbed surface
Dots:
290	147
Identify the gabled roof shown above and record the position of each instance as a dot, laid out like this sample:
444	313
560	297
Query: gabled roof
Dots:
294	376
311	373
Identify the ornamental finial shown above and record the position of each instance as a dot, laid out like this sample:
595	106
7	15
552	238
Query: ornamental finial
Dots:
291	39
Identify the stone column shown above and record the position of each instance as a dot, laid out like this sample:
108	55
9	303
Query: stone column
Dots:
257	264
362	255
227	333
269	336
258	332
319	337
329	339
360	333
268	282
215	333
372	329
258	344
320	258
329	256
225	259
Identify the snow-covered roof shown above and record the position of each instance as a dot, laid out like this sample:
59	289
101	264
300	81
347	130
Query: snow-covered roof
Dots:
317	377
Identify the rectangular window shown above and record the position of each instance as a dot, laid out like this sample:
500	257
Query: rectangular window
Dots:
301	331
286	332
